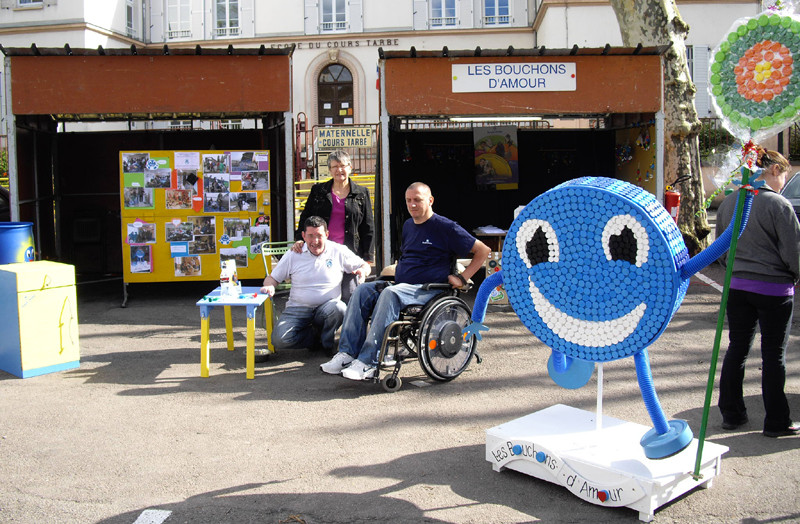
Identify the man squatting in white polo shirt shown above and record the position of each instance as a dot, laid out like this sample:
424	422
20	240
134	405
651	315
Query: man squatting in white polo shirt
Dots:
315	296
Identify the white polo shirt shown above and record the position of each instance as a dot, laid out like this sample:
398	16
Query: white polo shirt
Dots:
316	279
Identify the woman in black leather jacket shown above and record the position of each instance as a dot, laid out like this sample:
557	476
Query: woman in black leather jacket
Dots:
346	208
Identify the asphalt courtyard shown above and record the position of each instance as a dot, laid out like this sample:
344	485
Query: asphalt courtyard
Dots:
136	435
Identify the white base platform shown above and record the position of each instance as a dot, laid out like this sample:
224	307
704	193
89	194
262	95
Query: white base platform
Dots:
605	466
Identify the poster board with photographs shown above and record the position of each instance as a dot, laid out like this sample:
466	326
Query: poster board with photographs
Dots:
184	212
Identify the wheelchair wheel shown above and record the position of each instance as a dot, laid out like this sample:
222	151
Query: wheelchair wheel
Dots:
442	351
391	383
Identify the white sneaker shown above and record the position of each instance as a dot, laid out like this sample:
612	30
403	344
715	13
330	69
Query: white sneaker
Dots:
390	361
335	365
359	371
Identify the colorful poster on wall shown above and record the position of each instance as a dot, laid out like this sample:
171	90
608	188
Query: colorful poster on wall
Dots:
172	202
496	157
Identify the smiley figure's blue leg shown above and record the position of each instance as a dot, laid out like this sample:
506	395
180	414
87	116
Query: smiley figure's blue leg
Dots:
568	372
667	437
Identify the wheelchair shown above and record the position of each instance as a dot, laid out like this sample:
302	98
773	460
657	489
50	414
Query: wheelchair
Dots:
432	334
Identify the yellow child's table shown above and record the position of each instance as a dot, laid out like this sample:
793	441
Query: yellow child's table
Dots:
249	298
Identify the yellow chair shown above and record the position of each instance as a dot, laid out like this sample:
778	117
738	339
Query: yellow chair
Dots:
268	251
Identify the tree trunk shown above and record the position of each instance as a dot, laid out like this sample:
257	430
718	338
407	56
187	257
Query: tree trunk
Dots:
657	22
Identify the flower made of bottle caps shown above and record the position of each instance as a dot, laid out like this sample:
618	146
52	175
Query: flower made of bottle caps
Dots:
753	79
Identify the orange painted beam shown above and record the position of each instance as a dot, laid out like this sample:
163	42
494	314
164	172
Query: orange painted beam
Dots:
150	84
605	84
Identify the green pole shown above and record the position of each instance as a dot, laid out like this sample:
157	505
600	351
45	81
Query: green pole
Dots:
737	221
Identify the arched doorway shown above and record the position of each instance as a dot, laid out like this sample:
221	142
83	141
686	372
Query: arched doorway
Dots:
335	95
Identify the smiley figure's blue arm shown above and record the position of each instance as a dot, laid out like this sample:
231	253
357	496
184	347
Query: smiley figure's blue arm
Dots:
479	307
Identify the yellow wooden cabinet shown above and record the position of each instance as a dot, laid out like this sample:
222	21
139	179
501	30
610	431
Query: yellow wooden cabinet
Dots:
39	313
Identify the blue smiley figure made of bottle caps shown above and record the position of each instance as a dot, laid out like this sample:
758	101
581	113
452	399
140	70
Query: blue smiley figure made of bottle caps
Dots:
596	268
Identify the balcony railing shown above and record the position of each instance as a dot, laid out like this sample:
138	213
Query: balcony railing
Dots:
227	31
334	26
496	20
441	21
179	34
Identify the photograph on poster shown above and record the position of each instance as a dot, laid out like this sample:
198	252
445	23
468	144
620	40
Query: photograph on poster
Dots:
217	163
203	225
203	245
138	197
187	179
236	228
157	177
258	235
134	162
216	203
187	266
252	180
182	231
217	183
178	199
141	233
187	160
243	161
239	254
245	201
141	259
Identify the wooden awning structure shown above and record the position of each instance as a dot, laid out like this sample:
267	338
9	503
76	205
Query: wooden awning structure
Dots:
150	84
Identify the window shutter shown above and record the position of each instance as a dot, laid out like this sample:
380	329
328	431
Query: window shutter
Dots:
420	14
247	19
702	100
312	17
355	16
463	14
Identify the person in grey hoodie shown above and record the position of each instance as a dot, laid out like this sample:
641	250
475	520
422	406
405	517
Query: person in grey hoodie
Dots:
765	270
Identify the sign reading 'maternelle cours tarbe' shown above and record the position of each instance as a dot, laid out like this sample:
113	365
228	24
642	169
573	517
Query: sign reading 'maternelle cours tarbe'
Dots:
517	76
343	136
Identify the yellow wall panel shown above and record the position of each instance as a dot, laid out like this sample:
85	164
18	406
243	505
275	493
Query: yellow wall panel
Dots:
184	211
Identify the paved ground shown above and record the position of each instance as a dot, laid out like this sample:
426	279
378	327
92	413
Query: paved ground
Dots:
135	429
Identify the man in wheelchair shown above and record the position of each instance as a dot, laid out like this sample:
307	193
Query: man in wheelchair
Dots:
430	242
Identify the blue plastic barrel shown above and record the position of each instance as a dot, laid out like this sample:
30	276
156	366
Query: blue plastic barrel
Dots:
16	242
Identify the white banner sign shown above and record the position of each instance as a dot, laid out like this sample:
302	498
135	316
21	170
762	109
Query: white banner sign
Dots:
527	77
338	137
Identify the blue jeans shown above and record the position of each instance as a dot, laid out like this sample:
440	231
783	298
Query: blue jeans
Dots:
294	326
383	301
774	316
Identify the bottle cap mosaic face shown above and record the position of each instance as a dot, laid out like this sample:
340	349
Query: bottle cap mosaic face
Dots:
592	268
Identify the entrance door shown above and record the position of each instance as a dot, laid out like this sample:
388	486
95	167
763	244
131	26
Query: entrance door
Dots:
335	94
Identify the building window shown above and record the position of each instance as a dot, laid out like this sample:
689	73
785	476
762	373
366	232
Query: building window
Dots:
690	60
130	27
496	12
180	125
227	18
29	3
179	19
443	13
335	95
334	15
230	124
